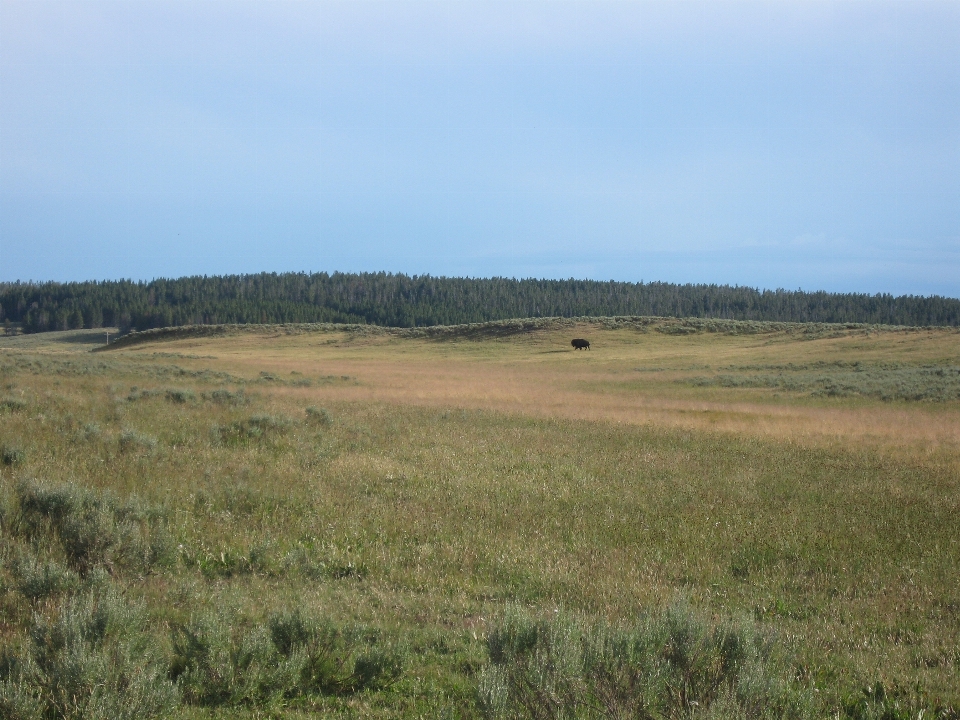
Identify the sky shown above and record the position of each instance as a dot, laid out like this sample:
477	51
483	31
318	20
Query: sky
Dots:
802	145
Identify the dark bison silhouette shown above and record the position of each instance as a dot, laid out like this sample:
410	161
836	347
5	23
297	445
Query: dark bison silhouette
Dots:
580	343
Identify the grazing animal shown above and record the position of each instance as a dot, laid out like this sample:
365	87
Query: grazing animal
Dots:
580	343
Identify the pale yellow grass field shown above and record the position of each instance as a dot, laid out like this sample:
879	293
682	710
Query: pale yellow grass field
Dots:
628	377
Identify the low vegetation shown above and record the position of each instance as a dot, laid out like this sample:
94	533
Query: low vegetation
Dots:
669	665
675	525
885	381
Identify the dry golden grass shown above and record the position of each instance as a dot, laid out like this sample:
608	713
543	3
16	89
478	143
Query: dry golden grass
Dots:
628	377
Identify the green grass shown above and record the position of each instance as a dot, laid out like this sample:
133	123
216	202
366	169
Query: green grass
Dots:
200	541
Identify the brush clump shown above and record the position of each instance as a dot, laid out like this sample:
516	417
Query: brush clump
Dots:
666	665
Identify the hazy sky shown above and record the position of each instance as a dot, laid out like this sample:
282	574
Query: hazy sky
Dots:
803	144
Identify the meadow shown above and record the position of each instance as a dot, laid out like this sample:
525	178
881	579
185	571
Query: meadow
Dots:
693	518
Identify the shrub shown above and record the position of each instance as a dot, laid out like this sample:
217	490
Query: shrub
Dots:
90	431
226	397
11	455
377	668
216	663
253	428
87	534
92	661
175	395
319	415
145	546
18	698
665	666
267	423
138	394
841	379
36	580
11	404
202	663
92	528
180	396
41	505
132	441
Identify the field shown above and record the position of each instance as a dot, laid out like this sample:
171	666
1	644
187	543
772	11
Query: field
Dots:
284	520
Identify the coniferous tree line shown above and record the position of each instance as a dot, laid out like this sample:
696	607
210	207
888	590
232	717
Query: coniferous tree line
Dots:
407	301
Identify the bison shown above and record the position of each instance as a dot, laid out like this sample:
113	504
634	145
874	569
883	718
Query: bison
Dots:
580	343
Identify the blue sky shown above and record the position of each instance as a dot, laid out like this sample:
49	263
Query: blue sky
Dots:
810	144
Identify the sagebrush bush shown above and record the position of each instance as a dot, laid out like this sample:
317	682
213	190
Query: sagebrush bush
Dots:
223	396
38	580
133	441
19	698
11	404
252	428
90	431
667	665
319	415
174	395
88	534
11	455
265	423
215	662
94	529
180	395
42	506
91	659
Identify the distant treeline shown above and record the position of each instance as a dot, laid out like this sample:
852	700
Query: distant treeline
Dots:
405	301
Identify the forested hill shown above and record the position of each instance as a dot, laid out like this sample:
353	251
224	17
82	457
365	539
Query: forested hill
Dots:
404	301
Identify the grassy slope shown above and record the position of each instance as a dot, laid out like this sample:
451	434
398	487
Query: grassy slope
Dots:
459	475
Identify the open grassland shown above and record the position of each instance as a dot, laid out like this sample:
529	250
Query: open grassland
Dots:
732	519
